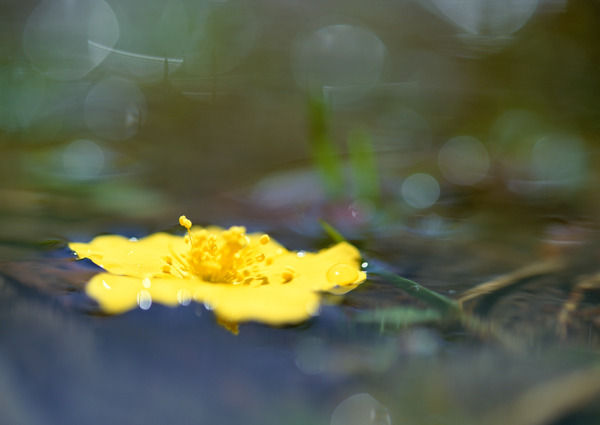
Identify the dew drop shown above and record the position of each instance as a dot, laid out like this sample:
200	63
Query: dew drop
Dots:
184	297
210	304
342	274
313	307
144	299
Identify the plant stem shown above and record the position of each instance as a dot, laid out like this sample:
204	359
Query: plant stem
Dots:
433	299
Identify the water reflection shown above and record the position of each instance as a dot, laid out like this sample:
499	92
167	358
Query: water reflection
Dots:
150	44
420	190
136	65
311	356
360	409
222	40
486	17
402	138
345	61
57	33
31	105
534	157
83	159
559	160
115	109
463	160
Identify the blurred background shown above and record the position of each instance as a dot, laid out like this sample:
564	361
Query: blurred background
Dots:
142	110
452	140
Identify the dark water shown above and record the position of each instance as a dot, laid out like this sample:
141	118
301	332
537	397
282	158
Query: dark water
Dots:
481	117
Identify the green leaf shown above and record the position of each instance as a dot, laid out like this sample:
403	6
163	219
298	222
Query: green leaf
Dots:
433	299
332	232
398	317
364	166
324	152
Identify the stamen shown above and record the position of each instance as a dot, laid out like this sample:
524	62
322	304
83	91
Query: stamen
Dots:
185	222
225	257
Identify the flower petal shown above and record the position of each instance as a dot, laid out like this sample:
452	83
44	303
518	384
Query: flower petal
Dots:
282	287
118	294
271	304
314	268
119	255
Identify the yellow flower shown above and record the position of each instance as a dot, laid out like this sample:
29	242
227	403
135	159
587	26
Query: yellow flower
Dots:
242	277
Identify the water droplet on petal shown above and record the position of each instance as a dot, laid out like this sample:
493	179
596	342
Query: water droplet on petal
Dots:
342	274
144	299
184	297
313	307
211	304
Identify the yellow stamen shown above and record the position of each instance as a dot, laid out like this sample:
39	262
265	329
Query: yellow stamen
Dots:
224	258
185	222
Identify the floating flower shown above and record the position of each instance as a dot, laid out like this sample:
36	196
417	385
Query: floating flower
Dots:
242	277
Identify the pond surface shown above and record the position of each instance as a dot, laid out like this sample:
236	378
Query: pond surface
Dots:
452	142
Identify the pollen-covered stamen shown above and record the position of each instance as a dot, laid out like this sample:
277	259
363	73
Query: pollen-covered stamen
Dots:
226	257
183	221
169	267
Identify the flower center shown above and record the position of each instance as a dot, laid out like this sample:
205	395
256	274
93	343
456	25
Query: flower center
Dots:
227	258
